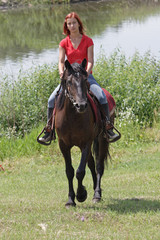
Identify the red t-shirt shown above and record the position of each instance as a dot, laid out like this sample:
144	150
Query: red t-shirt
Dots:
76	55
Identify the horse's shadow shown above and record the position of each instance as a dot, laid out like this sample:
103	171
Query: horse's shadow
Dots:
129	205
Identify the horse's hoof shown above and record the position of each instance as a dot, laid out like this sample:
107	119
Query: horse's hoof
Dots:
97	196
81	197
96	200
70	204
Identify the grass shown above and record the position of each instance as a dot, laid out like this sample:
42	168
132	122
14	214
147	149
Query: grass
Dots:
33	192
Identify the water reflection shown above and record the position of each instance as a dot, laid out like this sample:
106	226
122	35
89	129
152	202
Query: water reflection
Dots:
30	37
132	37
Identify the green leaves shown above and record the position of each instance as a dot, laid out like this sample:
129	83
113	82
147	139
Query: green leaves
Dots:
134	83
24	102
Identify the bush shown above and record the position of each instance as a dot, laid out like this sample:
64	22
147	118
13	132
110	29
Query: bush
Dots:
134	83
24	102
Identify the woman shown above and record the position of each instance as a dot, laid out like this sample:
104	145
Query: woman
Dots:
77	46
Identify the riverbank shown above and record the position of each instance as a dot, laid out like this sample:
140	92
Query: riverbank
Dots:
20	3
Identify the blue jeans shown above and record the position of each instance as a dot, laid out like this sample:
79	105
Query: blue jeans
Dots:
94	87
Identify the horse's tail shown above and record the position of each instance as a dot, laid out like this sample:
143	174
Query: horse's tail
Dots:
101	148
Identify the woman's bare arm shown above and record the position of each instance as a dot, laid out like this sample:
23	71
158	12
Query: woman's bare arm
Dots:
90	59
61	61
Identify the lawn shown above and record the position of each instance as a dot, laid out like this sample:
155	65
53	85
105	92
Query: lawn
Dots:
33	193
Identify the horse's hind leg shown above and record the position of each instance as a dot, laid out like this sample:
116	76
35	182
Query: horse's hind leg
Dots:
101	154
69	172
81	191
91	165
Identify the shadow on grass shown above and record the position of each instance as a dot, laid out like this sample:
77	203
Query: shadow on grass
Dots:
127	205
134	205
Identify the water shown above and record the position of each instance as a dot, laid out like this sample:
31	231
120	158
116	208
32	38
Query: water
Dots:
132	37
30	37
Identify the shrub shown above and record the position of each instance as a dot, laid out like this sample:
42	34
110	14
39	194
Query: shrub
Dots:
134	83
24	102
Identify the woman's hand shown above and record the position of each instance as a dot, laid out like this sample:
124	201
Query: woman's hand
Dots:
61	75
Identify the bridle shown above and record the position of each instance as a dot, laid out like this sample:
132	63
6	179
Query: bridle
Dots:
68	94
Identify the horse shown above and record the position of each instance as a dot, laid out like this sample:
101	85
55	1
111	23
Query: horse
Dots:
75	125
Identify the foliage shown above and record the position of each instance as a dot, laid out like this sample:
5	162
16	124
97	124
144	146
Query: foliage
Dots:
11	3
24	102
134	83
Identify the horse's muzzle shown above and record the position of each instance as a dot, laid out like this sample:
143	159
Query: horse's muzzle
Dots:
81	107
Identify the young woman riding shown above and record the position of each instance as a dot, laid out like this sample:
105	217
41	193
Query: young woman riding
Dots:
77	46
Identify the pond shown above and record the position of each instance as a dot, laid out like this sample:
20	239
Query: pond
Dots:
30	36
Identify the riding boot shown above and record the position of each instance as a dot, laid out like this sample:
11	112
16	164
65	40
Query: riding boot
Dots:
47	136
109	128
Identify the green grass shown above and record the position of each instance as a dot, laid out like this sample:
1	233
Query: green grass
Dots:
33	191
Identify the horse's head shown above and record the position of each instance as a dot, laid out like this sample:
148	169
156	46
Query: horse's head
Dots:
75	84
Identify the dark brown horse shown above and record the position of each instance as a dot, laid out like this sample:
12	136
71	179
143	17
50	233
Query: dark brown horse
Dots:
75	126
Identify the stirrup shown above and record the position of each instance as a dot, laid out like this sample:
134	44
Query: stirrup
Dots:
52	137
119	134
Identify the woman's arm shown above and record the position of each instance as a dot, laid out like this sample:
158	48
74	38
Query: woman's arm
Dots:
90	59
61	61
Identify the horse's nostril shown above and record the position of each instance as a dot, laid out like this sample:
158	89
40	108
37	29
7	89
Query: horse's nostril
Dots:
83	106
77	105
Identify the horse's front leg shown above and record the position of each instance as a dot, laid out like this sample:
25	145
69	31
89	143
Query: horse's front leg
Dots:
69	172
81	191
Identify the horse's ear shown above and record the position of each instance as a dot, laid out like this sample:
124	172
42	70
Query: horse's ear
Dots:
63	83
84	63
68	65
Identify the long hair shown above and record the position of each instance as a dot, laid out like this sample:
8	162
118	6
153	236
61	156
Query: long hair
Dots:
72	15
